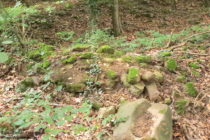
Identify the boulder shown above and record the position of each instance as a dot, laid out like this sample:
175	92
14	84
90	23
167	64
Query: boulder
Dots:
148	76
152	91
106	111
143	121
137	89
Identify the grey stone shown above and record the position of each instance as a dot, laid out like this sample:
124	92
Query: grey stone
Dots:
159	129
152	91
106	111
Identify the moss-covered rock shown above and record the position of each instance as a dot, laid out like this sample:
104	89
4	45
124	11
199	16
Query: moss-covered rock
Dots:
137	89
158	76
87	55
111	74
80	47
143	59
42	52
133	75
106	49
75	87
70	60
190	89
123	79
128	59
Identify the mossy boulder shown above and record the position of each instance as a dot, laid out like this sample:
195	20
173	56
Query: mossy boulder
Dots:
133	75
143	59
137	89
171	64
124	81
42	52
106	49
128	59
70	60
110	74
148	76
158	76
75	87
87	55
190	89
80	47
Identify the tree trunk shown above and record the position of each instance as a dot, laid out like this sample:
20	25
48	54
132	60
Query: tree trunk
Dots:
117	27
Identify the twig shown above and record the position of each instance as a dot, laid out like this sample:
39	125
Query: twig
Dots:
169	41
188	38
185	40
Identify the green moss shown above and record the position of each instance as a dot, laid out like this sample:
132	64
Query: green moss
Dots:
111	74
40	53
75	88
106	49
87	55
171	65
128	59
158	76
133	75
181	78
70	60
194	65
46	64
118	53
190	89
143	59
164	54
80	47
180	106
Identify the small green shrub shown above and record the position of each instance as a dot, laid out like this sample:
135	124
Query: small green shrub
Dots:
65	36
181	105
190	89
171	64
194	65
111	74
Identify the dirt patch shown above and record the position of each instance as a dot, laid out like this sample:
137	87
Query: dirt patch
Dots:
143	125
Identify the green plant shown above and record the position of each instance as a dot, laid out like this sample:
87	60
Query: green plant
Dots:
106	49
194	65
190	89
4	57
181	106
70	60
65	36
94	69
171	64
11	19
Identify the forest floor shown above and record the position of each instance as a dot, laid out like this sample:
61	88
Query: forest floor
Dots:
191	50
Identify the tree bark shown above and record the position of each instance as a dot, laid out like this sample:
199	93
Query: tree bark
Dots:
117	27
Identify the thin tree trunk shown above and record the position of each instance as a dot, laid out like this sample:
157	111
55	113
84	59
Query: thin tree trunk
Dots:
117	27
